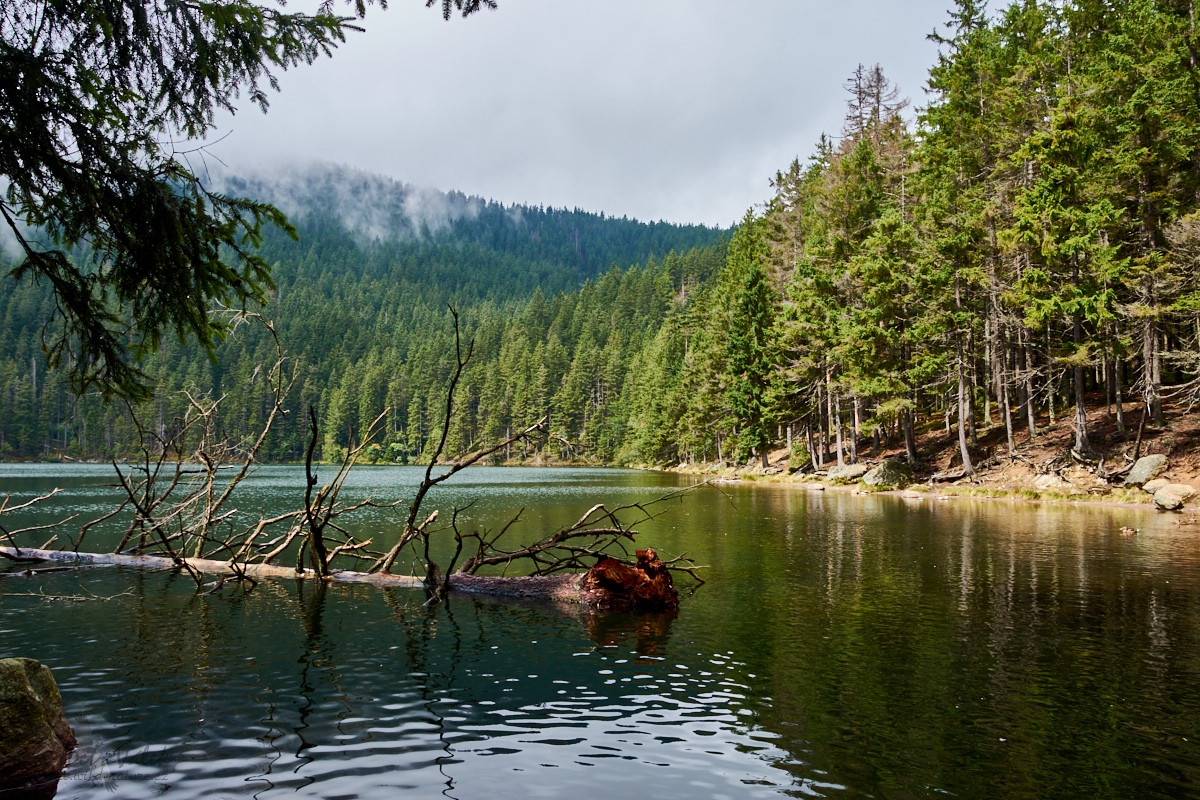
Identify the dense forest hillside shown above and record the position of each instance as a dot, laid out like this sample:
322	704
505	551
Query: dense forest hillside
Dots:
1023	247
361	308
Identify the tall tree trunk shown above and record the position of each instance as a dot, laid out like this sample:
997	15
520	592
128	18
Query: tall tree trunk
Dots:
1019	364
988	346
962	412
854	434
999	367
1119	397
1149	388
812	451
837	426
823	425
972	388
1108	382
910	441
1030	405
1082	445
946	416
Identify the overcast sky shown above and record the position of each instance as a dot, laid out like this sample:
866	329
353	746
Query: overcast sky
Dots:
657	109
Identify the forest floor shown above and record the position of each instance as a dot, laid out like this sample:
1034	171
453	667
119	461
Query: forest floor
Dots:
1030	476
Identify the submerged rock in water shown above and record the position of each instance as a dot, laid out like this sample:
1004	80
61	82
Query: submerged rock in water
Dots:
891	472
619	587
849	472
1146	469
34	735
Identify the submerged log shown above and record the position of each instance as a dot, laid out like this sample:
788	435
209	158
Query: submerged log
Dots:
206	566
609	584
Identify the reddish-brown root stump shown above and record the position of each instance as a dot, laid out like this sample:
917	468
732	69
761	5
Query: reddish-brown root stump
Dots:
618	587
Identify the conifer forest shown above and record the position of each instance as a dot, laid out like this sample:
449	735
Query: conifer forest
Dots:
1019	243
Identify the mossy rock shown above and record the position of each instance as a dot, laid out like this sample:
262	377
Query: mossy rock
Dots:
892	473
848	473
34	735
1146	469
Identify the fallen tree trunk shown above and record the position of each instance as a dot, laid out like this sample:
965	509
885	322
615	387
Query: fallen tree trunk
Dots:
206	566
609	584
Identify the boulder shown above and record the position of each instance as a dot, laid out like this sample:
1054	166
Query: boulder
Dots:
1050	482
1150	487
1167	500
34	735
1181	490
891	472
910	494
1146	469
848	473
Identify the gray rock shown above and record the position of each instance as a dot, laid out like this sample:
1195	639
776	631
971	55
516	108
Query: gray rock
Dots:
34	735
891	472
1150	487
1147	468
1167	500
912	495
848	473
1050	482
1181	490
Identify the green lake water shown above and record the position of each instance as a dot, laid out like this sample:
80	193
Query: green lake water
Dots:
845	646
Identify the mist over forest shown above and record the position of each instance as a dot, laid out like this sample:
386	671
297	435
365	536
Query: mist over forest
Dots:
361	303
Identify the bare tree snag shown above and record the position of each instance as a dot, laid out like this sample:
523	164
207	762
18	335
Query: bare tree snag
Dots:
182	518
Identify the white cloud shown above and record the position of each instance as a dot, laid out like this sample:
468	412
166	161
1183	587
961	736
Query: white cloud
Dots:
674	109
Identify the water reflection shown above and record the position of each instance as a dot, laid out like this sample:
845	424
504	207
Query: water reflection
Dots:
845	646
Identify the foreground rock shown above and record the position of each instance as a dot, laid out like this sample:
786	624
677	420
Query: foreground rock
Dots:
1146	469
1167	500
34	735
848	473
891	473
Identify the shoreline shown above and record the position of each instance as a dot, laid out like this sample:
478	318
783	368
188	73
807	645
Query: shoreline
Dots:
1114	497
1111	497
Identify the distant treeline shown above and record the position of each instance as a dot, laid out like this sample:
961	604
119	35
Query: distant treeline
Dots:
1024	245
366	326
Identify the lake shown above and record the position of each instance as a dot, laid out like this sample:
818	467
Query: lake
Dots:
844	646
